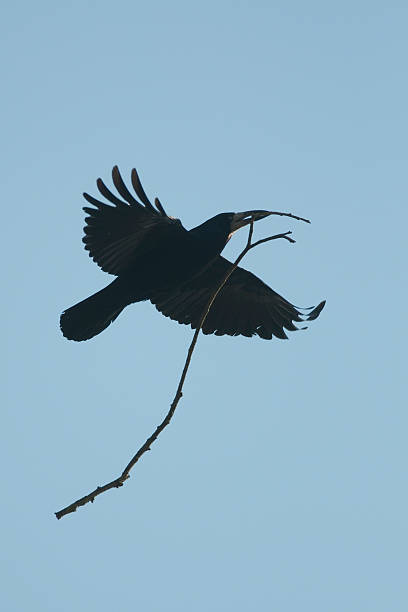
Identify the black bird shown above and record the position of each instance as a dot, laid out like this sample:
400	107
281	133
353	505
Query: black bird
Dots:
155	258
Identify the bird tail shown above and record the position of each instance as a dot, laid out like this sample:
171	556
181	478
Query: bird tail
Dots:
91	316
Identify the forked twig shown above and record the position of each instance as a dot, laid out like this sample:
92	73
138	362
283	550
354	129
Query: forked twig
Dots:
118	482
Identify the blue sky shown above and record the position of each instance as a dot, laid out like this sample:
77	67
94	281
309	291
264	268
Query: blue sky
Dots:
281	482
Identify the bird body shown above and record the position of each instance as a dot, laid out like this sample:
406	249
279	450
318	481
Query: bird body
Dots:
154	257
161	266
173	261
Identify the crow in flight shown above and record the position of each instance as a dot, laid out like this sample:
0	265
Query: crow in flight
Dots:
155	258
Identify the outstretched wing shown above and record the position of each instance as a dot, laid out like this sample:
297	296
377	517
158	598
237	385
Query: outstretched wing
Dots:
245	306
117	235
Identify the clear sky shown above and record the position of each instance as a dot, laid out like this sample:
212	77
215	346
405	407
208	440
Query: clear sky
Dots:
281	483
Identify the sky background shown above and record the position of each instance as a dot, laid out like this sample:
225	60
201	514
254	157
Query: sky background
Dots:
281	482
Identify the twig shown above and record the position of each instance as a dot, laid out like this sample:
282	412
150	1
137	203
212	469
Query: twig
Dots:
281	214
118	482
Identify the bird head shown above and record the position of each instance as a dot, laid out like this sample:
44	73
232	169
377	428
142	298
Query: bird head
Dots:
222	226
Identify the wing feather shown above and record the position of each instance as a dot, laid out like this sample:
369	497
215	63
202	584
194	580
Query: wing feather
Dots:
245	306
137	186
117	235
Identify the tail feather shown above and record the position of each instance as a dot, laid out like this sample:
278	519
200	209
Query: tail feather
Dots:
91	316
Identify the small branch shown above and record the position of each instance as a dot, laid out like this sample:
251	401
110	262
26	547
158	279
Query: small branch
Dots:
281	214
118	482
285	236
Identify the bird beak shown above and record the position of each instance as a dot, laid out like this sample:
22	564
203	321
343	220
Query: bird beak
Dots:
244	218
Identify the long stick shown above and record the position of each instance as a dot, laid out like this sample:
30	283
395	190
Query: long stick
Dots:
119	481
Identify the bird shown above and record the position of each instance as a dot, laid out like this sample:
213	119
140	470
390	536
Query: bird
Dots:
155	258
